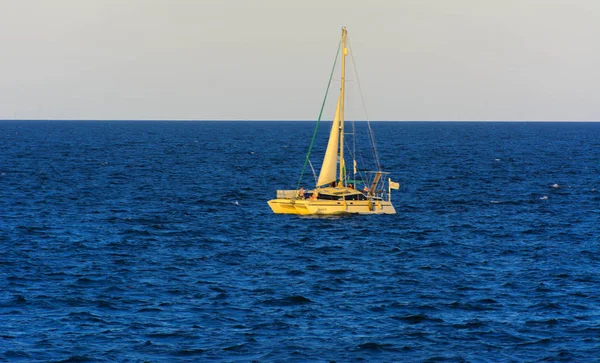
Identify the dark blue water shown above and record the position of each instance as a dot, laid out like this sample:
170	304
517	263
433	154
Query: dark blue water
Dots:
153	241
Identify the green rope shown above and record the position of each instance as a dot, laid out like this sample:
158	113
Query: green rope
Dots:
319	119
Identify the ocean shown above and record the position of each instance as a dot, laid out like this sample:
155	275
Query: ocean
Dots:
153	242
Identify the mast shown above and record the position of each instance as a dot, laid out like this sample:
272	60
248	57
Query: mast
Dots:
335	146
341	106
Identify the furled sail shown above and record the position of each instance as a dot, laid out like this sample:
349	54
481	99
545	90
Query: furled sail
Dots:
329	168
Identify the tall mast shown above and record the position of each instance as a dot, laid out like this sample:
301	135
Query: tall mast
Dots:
342	93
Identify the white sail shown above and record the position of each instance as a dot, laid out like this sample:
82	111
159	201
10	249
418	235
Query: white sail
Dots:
329	168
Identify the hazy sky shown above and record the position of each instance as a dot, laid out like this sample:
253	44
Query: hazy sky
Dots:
270	59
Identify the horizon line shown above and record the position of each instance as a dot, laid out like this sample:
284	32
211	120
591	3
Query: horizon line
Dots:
271	120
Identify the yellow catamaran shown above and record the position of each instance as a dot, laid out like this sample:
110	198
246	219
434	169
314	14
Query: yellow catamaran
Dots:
335	192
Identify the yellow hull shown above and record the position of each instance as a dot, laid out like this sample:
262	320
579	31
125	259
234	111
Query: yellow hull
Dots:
282	206
330	207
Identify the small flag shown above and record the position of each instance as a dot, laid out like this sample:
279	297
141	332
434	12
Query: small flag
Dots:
394	185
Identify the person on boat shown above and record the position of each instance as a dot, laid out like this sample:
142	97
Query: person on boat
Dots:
332	184
314	195
366	189
351	186
300	193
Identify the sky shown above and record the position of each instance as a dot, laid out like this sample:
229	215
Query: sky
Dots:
471	60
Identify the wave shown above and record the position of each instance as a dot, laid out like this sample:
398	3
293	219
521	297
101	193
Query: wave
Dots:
417	319
289	301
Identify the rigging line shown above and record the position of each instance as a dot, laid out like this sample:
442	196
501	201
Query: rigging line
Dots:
356	150
320	114
356	153
371	135
354	139
313	170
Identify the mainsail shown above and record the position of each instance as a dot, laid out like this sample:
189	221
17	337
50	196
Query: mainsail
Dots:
329	168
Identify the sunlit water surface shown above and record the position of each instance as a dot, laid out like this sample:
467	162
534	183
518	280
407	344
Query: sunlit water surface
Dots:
153	241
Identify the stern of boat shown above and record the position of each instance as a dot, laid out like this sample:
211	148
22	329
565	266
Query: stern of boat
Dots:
282	206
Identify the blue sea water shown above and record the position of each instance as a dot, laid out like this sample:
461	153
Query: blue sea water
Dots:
153	241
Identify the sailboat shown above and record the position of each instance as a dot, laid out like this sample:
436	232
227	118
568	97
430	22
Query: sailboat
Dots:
337	192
